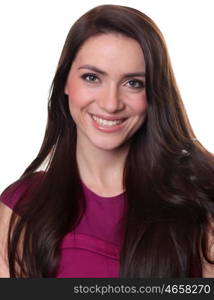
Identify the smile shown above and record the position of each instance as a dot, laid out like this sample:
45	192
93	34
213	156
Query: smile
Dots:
105	122
107	125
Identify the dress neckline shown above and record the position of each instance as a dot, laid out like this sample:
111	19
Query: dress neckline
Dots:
95	195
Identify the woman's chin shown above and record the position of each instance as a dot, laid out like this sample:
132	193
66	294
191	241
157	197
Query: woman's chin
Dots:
109	145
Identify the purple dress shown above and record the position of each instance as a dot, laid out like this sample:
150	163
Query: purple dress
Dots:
92	250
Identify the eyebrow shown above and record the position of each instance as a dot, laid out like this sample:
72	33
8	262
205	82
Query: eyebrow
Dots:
95	69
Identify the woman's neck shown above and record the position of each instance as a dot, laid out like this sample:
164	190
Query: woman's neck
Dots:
100	169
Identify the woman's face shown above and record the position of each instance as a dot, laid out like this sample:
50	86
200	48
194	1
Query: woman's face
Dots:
106	91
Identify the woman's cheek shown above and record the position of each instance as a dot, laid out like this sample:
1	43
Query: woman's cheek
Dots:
139	104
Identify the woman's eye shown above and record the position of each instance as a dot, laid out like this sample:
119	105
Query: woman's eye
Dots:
89	77
136	84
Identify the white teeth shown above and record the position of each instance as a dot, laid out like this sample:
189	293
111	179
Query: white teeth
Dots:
105	122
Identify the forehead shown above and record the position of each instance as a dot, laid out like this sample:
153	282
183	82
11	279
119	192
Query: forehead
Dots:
111	51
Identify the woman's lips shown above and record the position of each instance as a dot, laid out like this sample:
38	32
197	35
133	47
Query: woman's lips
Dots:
108	118
107	128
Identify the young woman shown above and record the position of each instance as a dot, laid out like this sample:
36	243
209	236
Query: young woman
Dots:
121	187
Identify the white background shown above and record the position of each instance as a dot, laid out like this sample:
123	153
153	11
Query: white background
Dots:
32	35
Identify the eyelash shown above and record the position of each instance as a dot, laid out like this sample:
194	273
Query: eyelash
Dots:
141	83
84	76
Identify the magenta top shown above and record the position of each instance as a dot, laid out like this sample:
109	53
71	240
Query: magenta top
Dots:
92	250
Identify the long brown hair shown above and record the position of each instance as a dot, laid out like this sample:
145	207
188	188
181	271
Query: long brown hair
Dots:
168	174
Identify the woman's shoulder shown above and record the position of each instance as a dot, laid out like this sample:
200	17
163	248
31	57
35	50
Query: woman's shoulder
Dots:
12	193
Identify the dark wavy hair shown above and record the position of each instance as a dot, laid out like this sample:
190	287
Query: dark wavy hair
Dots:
168	174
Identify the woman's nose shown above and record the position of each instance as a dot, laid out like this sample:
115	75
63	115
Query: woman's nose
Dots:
110	100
